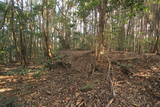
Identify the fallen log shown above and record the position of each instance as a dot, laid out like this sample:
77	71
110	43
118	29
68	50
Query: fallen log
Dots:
125	59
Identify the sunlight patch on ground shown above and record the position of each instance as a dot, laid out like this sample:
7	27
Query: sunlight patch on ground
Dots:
6	77
10	68
154	68
1	83
119	83
5	89
143	74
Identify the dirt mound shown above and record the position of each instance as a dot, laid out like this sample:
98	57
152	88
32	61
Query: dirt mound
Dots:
81	61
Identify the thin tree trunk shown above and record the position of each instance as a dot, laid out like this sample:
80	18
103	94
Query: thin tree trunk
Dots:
22	45
102	14
45	12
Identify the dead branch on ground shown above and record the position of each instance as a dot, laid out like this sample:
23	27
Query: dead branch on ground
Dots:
109	76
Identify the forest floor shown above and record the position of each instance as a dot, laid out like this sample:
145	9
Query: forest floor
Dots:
119	79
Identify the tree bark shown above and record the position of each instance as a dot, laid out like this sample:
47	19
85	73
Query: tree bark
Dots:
102	13
45	28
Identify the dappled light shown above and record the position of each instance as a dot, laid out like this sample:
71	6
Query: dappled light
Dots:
79	53
143	74
5	89
59	85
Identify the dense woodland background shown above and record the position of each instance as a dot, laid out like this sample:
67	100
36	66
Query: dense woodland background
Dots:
79	53
37	29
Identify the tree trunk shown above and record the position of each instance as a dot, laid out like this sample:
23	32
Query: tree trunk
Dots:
102	14
45	28
156	46
22	45
13	31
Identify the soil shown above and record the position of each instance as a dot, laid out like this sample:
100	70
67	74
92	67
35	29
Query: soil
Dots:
133	81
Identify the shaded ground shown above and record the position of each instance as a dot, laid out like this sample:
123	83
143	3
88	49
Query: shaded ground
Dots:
78	86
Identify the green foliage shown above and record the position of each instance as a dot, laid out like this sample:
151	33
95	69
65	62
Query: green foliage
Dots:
36	9
37	74
19	71
126	65
8	102
58	57
51	4
87	87
2	6
49	63
23	71
85	6
2	54
65	22
132	3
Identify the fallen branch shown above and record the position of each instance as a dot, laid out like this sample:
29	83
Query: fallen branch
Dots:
111	83
125	59
110	102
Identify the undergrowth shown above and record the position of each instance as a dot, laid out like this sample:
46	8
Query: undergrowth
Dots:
24	71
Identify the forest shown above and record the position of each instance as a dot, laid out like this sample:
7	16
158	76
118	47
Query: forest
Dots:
79	53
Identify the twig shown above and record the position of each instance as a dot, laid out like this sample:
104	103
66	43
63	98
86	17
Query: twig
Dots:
110	102
109	76
111	82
